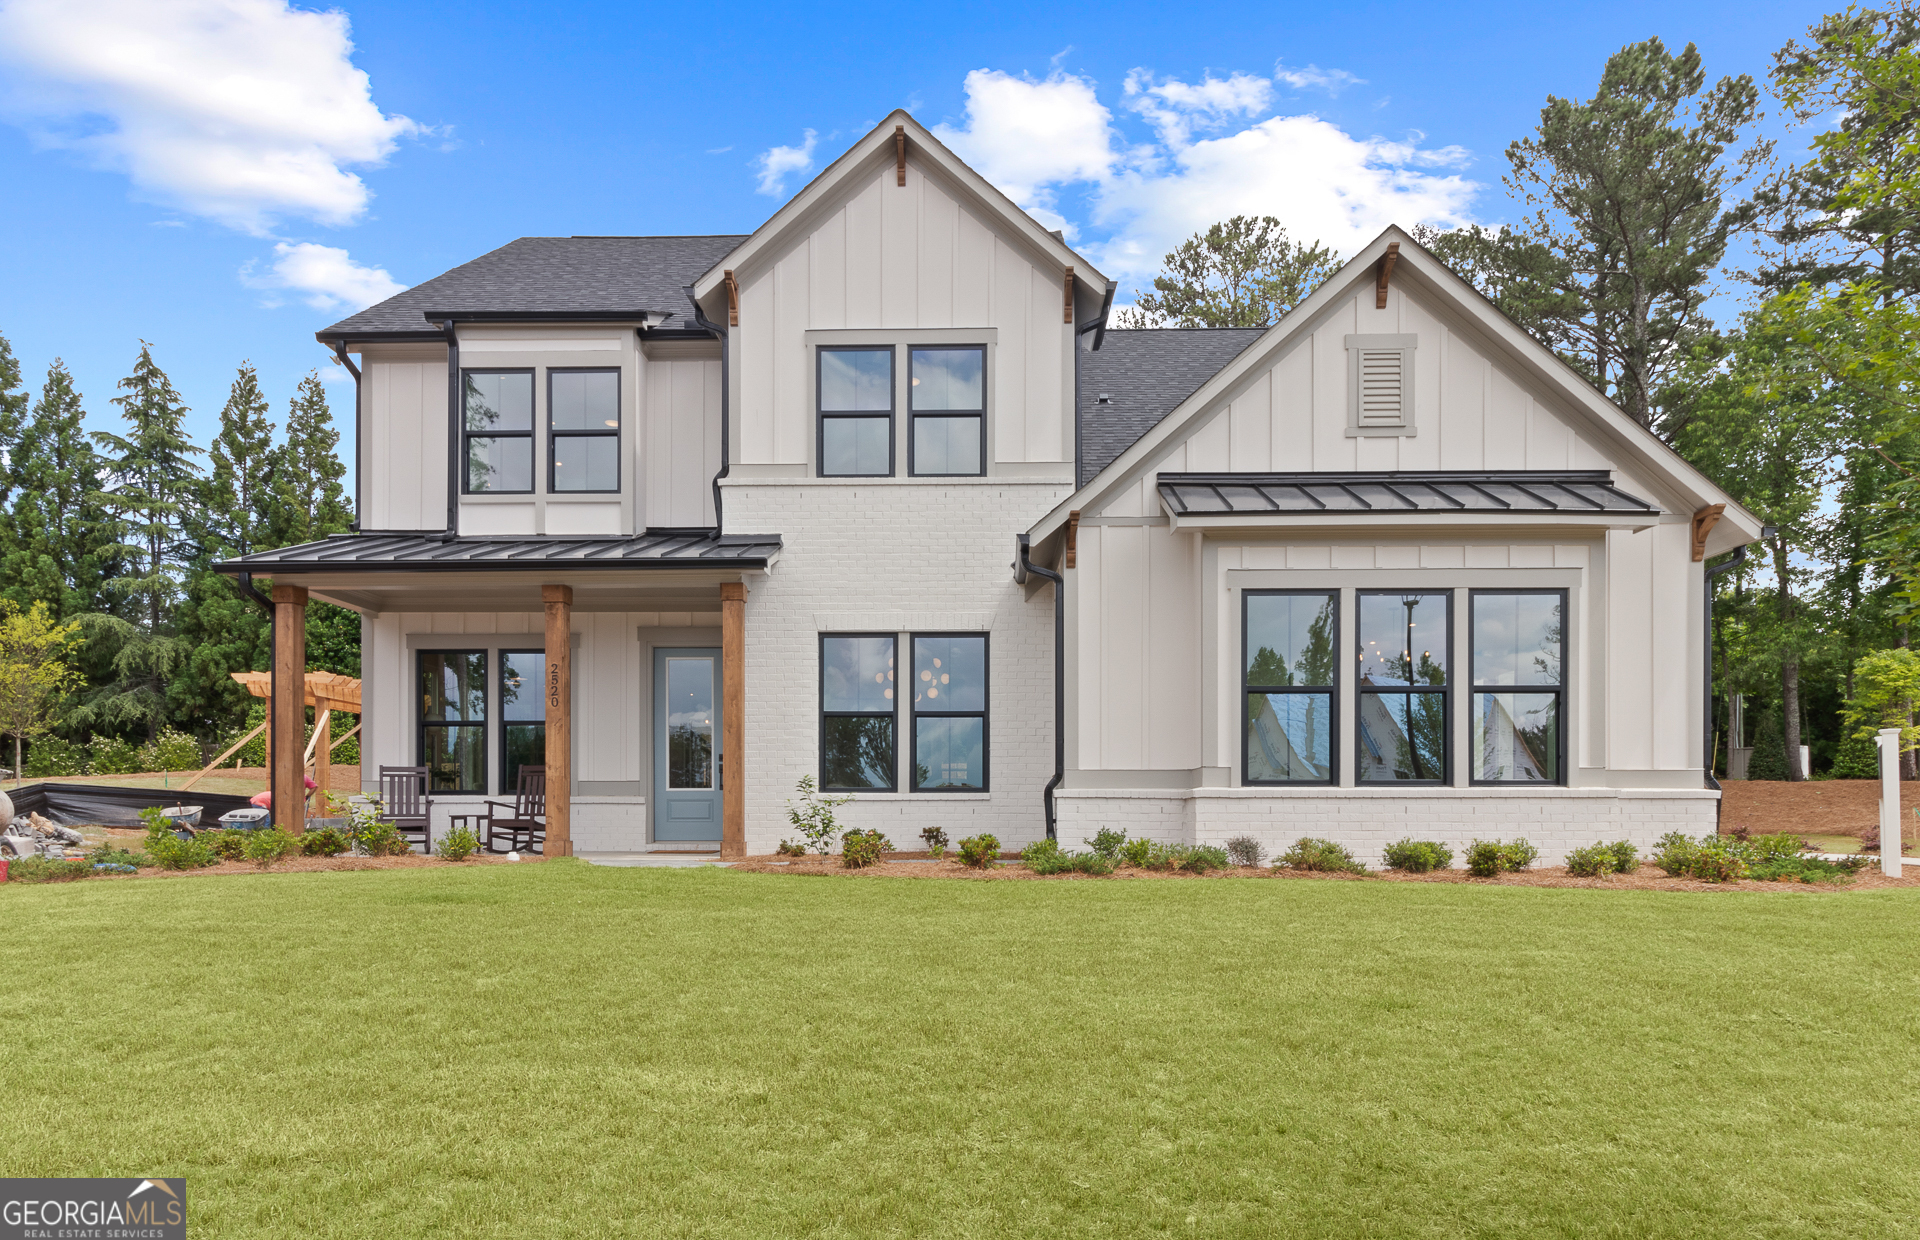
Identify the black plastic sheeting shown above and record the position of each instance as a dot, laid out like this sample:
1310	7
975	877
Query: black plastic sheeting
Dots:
104	805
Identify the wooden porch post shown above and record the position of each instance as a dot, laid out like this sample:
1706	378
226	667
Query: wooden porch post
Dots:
323	758
733	719
559	603
287	759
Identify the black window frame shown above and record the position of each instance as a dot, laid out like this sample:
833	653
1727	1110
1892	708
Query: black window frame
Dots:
467	434
914	415
821	415
984	714
498	683
1559	691
422	723
1445	691
1247	689
620	414
820	698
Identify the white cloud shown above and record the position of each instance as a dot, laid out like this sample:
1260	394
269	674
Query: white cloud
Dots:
1036	139
777	162
1313	77
240	111
322	276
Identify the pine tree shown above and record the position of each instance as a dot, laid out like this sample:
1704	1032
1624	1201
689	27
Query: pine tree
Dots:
308	500
153	483
1769	757
1245	272
61	541
235	496
14	403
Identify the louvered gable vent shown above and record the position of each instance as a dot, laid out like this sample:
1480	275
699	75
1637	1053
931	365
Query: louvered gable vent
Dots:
1380	385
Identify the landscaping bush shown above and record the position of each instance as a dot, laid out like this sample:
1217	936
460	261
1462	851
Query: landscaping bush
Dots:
1090	863
1321	856
1718	859
1107	842
1199	858
1245	850
1626	858
860	849
372	836
227	845
49	757
330	842
172	750
1769	757
119	859
935	839
1856	758
1593	861
270	846
1045	857
48	869
1487	858
1805	869
1418	856
1135	853
813	815
170	852
980	851
1774	847
457	844
1674	853
789	849
113	756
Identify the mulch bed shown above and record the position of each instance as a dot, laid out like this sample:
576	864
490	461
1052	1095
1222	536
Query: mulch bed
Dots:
307	865
1646	878
1813	807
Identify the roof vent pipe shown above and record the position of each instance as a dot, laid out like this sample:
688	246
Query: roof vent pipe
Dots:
726	406
1021	568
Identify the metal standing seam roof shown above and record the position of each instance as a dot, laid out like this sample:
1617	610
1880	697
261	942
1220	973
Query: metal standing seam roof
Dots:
1580	492
430	552
549	277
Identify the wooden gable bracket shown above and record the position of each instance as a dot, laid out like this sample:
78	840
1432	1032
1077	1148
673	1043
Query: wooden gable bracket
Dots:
1387	261
1068	315
900	155
733	299
1703	523
1073	540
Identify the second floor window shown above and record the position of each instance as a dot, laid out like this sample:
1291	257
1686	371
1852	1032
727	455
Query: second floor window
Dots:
498	426
583	414
856	412
949	411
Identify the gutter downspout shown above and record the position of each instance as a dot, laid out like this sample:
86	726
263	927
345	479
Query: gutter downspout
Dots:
726	405
453	428
1706	738
359	435
245	582
1020	571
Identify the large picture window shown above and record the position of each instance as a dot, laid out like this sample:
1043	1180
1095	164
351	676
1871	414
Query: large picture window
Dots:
453	719
949	712
523	714
856	411
1290	658
498	431
1403	689
947	408
858	707
1519	686
583	417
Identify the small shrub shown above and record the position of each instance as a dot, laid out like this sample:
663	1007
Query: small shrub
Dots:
1199	858
1674	853
1774	847
1045	857
812	815
1806	870
1091	863
860	849
270	846
172	750
1593	861
1719	860
1418	856
1487	858
935	839
372	836
790	849
1135	853
1245	850
1107	842
1321	856
120	859
227	845
980	851
170	852
49	757
48	869
327	842
457	844
113	756
1626	858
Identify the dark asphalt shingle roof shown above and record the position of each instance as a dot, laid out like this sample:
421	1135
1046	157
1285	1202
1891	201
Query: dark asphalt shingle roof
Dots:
1580	492
1146	372
554	275
416	552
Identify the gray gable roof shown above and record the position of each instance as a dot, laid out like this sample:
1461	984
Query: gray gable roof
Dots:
1145	373
551	276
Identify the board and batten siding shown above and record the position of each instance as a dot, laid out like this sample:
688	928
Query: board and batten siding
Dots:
406	441
888	257
680	451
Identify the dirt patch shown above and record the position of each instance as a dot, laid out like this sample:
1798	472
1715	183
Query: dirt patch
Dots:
1646	878
1813	807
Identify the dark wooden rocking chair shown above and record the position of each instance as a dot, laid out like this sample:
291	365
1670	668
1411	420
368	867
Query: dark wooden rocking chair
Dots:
524	822
404	803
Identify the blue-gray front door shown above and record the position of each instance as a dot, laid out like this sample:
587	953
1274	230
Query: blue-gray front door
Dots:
686	747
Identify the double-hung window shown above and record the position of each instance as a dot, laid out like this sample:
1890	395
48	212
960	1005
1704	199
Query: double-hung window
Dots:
948	411
453	719
1519	686
858	707
583	416
1402	686
498	429
523	714
1291	658
949	712
855	388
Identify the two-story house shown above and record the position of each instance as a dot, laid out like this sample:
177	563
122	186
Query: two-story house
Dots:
873	495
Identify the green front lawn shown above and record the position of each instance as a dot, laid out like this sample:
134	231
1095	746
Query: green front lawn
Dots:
557	1050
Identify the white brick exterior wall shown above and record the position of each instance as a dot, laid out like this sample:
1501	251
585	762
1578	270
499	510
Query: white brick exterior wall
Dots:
1554	820
905	555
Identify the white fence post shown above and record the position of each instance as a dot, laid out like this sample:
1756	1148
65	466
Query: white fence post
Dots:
1890	802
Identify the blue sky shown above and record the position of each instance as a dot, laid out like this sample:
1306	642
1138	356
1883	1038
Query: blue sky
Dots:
201	173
